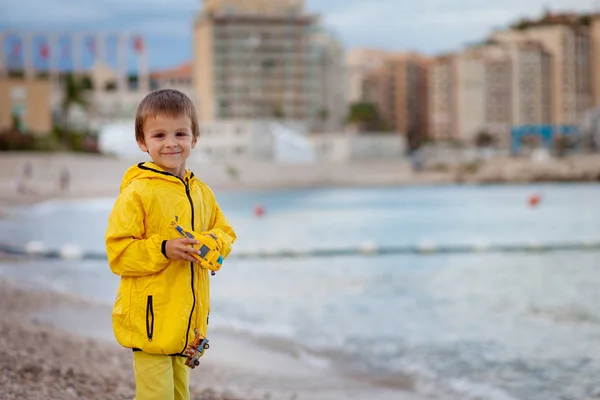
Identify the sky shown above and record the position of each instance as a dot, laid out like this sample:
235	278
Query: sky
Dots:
427	26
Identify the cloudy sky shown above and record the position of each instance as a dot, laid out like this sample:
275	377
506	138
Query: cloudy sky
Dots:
428	26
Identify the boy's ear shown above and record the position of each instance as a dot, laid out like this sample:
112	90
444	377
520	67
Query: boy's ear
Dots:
142	146
194	141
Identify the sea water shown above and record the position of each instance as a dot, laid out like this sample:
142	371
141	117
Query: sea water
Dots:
482	325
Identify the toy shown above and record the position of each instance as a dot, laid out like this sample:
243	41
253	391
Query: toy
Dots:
195	350
209	256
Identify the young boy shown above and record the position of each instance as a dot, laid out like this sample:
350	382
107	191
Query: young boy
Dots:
163	300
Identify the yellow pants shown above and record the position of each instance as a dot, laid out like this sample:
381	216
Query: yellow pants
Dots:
159	377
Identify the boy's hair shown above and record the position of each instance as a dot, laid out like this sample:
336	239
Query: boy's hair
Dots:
168	103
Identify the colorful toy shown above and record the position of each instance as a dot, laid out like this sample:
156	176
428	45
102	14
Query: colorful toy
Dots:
195	350
209	255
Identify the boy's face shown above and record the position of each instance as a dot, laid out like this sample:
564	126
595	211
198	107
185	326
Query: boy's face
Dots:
169	141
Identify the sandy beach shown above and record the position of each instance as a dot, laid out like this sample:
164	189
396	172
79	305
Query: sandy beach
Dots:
100	176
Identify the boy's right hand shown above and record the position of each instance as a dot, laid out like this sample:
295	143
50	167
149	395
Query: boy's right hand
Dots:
180	249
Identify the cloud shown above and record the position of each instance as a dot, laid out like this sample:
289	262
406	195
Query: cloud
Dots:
434	25
24	13
428	26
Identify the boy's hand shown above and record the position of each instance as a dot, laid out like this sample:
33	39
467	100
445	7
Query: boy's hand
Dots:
180	249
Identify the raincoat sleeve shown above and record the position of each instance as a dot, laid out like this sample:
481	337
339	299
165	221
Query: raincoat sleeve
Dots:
129	251
221	229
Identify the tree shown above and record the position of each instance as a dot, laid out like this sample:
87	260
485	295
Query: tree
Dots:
562	145
74	93
278	113
485	139
366	116
323	114
585	20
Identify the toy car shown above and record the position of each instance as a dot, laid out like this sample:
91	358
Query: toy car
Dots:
209	256
195	350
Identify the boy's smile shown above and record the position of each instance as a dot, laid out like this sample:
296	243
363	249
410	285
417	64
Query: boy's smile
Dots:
169	141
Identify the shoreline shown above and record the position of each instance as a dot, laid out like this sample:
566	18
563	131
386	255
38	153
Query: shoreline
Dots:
74	330
100	176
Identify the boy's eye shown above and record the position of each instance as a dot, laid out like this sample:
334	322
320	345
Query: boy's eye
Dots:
181	134
159	135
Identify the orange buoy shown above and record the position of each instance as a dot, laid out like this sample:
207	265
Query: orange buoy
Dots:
259	211
534	200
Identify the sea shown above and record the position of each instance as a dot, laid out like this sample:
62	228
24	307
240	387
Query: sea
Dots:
481	325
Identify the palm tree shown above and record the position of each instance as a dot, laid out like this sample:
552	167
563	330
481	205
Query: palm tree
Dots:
74	93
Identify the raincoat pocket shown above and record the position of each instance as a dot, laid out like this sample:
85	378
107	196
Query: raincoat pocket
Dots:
149	318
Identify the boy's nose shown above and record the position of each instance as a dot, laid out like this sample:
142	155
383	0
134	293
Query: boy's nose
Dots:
171	141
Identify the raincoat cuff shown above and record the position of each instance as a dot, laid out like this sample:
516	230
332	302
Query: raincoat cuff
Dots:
163	248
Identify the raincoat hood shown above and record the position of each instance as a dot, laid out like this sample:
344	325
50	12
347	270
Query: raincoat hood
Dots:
149	170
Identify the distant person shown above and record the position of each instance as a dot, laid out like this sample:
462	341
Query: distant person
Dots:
64	180
18	186
27	170
163	303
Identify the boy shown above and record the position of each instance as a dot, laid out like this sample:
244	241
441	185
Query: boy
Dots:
162	303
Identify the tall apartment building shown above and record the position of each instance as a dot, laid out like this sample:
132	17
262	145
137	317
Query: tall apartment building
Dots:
442	98
255	59
331	107
531	84
361	73
396	83
406	106
569	45
595	39
483	82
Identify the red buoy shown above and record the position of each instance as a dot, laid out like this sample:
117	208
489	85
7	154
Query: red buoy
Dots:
534	200
259	211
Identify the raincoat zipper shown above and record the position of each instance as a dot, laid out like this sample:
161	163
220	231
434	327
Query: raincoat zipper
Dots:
187	192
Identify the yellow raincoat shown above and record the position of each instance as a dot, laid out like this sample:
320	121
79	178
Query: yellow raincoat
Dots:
161	303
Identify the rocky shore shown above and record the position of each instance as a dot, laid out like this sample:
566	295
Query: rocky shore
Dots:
41	362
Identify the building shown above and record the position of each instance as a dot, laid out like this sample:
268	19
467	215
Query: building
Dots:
396	83
361	76
404	104
483	82
332	108
442	98
254	59
113	91
25	102
595	39
178	78
531	84
569	45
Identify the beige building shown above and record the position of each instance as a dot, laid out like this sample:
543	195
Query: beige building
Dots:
28	100
178	78
442	98
253	59
498	85
396	83
531	84
405	102
361	73
595	38
569	45
484	97
332	109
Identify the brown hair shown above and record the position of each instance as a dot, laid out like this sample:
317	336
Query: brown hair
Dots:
165	102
